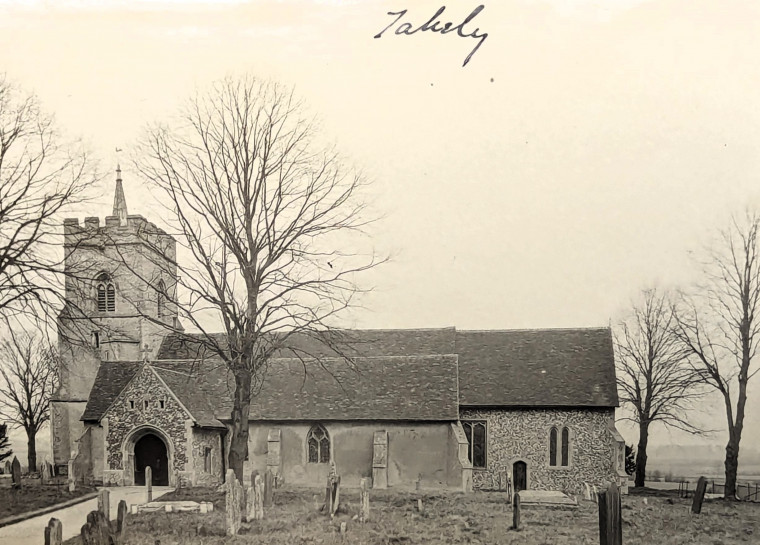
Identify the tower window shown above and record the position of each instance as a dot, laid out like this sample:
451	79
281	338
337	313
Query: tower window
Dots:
96	339
318	443
161	298
131	403
106	294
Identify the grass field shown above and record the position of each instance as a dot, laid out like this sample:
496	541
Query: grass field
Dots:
485	517
33	496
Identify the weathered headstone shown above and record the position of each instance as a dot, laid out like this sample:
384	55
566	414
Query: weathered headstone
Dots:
71	476
54	532
149	482
332	495
268	489
44	476
516	512
104	503
610	516
121	522
420	507
364	508
232	496
699	496
7	467
97	530
258	497
16	473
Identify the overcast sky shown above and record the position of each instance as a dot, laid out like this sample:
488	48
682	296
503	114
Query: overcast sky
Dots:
584	150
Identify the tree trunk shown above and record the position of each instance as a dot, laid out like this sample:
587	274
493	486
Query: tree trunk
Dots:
641	454
240	410
732	465
31	445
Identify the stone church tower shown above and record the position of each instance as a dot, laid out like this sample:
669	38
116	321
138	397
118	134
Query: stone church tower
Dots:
120	280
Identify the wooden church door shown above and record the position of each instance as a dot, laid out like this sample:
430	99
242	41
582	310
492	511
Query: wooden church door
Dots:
520	476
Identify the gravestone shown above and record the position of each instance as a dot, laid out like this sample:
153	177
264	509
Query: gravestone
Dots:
54	532
610	516
258	498
121	522
72	477
233	502
104	503
97	530
516	512
149	482
332	495
268	488
364	508
699	496
7	467
16	473
44	477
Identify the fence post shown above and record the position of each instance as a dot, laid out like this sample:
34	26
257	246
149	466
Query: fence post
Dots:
610	523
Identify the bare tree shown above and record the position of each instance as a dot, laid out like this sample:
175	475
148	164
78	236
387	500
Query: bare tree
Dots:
655	377
266	216
720	326
40	175
28	378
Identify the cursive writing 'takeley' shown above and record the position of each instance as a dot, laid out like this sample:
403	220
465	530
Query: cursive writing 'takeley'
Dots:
434	25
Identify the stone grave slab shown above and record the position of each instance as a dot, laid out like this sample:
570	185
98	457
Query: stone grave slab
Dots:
546	497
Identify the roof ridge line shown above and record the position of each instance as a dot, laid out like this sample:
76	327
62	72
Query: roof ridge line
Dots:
586	328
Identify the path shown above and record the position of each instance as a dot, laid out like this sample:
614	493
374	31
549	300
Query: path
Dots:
32	531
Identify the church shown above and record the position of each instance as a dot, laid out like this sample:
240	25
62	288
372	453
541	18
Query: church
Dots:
438	408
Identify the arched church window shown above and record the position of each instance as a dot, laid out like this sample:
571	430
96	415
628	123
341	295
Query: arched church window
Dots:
106	294
161	298
559	447
318	443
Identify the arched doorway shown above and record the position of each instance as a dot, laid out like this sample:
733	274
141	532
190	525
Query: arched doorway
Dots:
520	476
150	450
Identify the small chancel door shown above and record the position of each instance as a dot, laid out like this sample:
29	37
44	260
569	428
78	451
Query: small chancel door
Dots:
520	476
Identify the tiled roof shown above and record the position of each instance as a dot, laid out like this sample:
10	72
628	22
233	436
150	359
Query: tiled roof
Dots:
375	388
393	374
537	368
351	343
111	379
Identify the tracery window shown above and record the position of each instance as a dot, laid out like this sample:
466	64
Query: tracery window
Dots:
559	447
475	430
318	443
106	294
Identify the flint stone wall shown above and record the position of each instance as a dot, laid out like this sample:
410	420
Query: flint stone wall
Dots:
122	419
203	439
523	434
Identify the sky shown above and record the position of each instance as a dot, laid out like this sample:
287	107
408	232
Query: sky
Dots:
583	152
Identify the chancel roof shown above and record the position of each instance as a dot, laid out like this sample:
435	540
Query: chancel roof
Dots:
411	374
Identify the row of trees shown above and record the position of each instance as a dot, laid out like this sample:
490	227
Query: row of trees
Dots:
263	214
676	347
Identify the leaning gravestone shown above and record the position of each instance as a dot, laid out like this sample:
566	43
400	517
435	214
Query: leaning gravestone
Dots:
699	496
16	473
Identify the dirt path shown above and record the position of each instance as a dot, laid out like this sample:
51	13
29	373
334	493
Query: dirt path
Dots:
32	531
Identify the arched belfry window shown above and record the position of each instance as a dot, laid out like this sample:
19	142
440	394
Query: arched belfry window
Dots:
106	294
318	443
559	447
161	298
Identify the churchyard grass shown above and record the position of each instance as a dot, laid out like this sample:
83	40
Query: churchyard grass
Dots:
34	495
482	517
